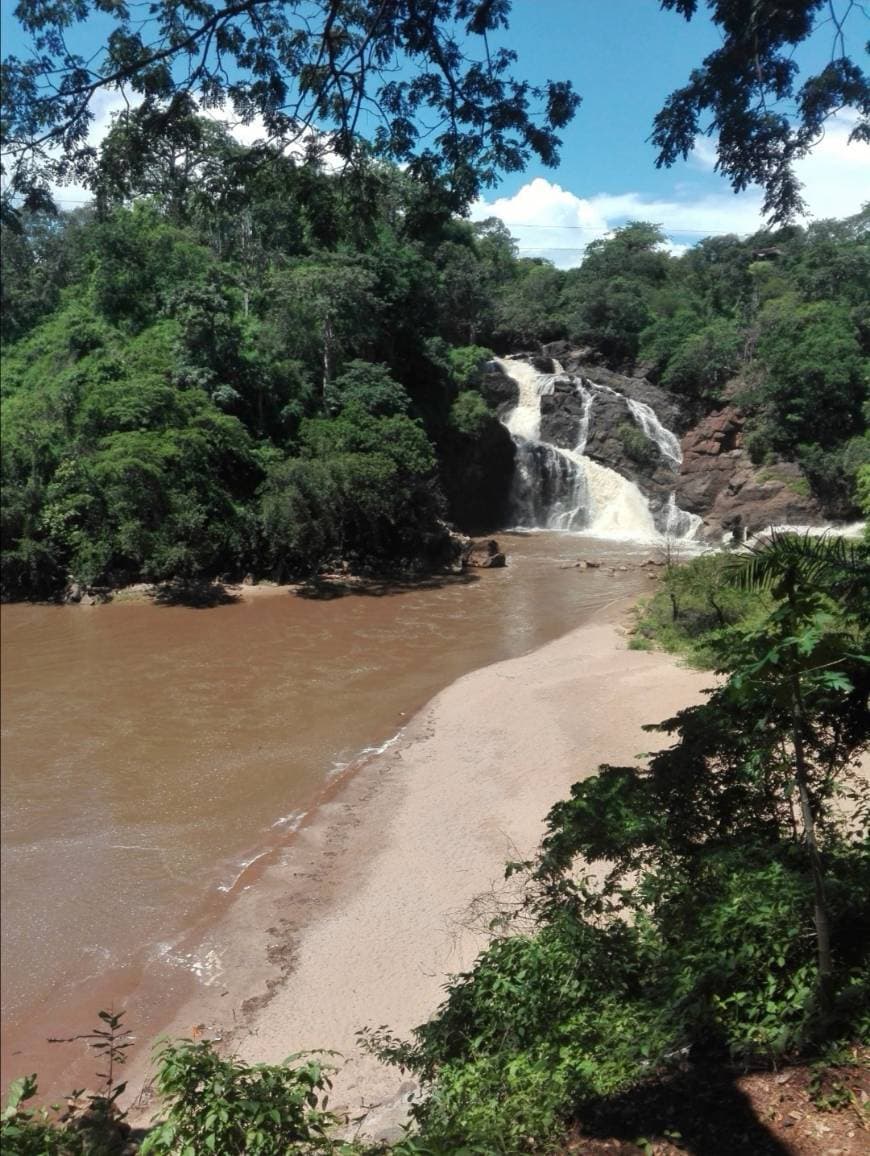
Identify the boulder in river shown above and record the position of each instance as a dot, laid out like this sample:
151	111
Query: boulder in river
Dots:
484	555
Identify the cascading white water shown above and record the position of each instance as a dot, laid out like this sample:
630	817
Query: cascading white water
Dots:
680	523
559	489
587	396
524	420
667	442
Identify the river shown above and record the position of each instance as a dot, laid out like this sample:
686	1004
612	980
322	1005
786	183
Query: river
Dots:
152	753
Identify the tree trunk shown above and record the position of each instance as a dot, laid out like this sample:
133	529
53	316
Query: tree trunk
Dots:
328	353
821	913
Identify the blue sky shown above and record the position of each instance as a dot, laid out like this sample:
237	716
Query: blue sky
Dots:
624	57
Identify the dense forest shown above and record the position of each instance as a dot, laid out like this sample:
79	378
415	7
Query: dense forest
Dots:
225	364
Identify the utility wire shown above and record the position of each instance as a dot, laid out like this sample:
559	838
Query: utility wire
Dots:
597	229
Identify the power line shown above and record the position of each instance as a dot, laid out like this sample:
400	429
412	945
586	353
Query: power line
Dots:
599	228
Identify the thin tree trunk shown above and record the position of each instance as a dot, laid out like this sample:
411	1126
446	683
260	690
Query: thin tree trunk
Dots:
821	913
328	356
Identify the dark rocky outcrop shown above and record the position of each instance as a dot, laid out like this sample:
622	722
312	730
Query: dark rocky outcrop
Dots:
561	414
476	476
499	391
484	555
719	481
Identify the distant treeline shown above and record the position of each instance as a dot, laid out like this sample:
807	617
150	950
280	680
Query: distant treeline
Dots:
232	362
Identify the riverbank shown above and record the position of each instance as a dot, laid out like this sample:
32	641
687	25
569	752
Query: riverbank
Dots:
378	898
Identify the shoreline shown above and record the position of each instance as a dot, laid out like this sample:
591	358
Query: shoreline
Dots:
177	964
365	912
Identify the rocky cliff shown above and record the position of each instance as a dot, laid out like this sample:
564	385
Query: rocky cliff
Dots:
718	481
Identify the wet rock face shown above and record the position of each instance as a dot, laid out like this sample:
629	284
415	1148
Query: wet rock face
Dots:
561	423
476	475
498	390
719	481
561	414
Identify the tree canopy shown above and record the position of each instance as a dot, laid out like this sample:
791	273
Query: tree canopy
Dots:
422	81
320	73
748	88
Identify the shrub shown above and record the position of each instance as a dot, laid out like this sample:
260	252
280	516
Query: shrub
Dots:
638	446
221	1105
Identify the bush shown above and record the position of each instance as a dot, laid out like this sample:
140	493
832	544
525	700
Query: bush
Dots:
469	413
638	446
693	603
219	1104
704	362
467	364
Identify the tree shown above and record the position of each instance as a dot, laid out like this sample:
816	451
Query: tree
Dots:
333	298
794	664
322	73
747	86
318	73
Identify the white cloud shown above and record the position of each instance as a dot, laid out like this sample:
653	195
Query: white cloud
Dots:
552	222
836	174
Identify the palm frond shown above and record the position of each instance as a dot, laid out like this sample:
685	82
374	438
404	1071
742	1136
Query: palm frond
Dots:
786	559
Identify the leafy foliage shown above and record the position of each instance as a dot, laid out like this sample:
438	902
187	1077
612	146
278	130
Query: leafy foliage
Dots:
697	938
746	86
217	1104
317	74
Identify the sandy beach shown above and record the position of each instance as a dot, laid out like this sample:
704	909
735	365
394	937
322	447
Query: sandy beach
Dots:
371	906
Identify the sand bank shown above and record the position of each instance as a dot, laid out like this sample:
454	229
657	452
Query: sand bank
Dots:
367	909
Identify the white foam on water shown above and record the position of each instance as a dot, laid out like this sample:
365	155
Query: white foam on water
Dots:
834	530
241	867
207	967
289	823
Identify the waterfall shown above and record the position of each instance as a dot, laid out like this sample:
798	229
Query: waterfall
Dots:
524	421
668	443
587	396
680	523
561	489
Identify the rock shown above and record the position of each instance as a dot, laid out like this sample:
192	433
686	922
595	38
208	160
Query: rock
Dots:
476	475
498	390
542	363
73	593
718	480
557	350
484	555
562	412
592	565
387	1122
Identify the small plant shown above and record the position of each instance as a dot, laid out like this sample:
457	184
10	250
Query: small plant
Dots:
828	1088
27	1131
219	1104
92	1124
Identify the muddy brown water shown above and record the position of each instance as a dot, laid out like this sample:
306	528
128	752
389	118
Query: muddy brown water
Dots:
152	753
